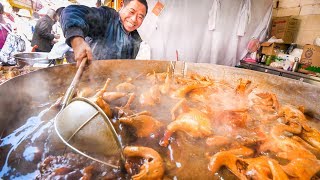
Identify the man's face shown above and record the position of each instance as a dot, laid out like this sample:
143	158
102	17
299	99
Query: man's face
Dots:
132	15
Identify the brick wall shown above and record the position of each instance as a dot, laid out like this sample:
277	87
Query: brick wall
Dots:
308	13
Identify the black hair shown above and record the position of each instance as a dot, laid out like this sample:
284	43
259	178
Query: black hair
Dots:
1	9
144	2
59	10
98	3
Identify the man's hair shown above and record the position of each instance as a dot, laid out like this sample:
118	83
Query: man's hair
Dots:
1	9
59	11
144	2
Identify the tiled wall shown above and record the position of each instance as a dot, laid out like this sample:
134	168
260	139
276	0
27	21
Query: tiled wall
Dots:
307	11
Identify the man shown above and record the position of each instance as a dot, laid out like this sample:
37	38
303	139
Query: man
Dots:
113	34
98	3
42	36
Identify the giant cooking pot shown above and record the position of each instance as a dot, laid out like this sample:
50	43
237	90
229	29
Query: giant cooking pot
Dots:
25	96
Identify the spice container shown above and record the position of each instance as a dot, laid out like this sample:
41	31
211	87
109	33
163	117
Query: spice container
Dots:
295	65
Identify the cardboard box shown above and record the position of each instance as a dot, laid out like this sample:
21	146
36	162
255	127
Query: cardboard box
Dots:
310	56
285	28
269	48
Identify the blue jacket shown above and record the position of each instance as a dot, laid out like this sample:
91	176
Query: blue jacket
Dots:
103	27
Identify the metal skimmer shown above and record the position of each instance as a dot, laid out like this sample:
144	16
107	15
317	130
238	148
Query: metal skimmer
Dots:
84	127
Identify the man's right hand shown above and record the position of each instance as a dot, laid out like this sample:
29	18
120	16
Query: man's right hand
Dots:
57	36
81	50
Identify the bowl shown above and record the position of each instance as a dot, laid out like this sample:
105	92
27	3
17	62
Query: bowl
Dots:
31	58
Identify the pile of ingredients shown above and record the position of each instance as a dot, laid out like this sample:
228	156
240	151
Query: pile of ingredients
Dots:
9	72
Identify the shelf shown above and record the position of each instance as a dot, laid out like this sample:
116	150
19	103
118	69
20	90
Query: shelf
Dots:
280	72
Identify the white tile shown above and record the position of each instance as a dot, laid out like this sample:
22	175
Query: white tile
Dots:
289	3
309	2
310	9
288	11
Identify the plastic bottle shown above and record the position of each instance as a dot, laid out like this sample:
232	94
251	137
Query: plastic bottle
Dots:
263	59
268	61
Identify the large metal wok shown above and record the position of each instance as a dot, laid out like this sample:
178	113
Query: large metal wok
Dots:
22	96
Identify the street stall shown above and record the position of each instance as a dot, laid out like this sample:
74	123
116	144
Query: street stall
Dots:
190	115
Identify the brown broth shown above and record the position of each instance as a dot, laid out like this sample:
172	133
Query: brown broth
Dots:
24	149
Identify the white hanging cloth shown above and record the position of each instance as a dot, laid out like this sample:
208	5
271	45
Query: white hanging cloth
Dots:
205	31
244	17
214	14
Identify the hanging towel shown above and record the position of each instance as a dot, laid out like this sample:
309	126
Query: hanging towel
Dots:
244	17
213	14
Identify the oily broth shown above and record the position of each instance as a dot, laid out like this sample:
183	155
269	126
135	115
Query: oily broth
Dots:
184	158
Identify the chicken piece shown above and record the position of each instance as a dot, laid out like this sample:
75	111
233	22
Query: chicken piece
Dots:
236	118
290	112
85	92
104	89
218	141
87	173
277	171
312	136
97	98
181	92
242	88
150	97
112	96
241	151
252	168
165	88
126	87
269	99
306	145
265	107
145	125
153	167
126	110
192	121
228	160
104	106
302	168
263	167
285	147
11	73
281	129
199	77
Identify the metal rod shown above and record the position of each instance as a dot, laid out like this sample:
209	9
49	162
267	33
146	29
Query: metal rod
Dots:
173	67
85	123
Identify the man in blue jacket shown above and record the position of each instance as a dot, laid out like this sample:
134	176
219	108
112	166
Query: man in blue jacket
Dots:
112	34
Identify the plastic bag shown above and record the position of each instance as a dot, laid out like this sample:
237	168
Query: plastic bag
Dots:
13	44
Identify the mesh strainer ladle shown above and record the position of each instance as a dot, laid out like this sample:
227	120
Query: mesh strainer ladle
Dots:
84	127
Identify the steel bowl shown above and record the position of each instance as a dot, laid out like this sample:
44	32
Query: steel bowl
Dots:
31	58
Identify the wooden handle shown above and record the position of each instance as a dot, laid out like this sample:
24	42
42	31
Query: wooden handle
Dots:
69	93
79	72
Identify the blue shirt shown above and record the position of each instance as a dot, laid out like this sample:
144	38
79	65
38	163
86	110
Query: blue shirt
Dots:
103	27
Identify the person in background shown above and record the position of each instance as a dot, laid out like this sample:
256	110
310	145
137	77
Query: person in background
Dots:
60	48
113	34
23	24
4	27
42	36
56	28
98	3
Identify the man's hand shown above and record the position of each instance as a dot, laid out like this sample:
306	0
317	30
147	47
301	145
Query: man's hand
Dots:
56	36
54	41
81	50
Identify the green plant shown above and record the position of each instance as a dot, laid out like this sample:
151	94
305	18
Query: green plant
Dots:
313	69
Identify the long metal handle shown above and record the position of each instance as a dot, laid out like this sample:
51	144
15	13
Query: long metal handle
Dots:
69	93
